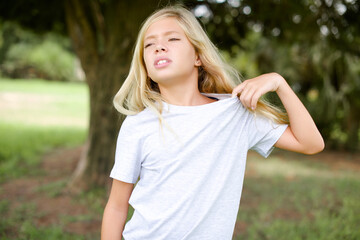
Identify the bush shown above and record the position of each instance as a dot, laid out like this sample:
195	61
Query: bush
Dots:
48	58
27	55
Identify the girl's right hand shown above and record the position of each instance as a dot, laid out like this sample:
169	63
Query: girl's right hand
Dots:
252	89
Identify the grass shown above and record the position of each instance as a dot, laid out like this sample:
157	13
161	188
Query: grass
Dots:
43	103
36	117
26	230
299	199
286	196
21	146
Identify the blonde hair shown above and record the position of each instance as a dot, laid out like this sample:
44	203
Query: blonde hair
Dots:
215	76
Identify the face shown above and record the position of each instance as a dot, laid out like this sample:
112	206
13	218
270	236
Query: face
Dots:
168	54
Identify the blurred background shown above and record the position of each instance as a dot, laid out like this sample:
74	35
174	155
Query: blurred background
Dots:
61	63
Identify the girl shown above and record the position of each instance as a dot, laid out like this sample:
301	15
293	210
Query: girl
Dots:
189	168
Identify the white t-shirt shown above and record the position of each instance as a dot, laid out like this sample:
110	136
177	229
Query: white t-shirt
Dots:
191	176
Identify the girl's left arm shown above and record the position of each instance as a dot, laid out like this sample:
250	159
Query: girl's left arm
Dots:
302	134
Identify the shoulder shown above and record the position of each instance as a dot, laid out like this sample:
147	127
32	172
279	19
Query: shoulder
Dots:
138	122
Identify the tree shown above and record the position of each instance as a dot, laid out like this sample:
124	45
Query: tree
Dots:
103	34
291	35
314	44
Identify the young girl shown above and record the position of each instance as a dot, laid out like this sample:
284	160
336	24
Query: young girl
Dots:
187	134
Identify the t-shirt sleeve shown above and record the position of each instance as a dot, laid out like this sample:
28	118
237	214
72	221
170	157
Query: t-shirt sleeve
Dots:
128	153
263	134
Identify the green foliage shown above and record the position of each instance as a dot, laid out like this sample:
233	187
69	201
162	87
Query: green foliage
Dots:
48	57
25	54
313	44
327	81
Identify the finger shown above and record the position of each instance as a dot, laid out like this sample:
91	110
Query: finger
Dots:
246	97
238	89
254	100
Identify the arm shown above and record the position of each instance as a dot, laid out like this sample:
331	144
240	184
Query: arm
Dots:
302	134
116	211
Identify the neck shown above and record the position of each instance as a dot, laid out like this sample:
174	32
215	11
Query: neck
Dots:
184	94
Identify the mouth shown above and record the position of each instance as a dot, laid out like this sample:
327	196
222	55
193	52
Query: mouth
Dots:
162	62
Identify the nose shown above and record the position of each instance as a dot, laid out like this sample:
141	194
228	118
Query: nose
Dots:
160	48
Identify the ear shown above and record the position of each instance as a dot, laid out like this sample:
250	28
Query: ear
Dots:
197	61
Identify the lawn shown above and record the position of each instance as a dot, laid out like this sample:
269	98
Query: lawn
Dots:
42	130
290	196
37	116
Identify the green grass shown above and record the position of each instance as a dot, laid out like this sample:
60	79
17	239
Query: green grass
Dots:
299	199
36	117
20	226
39	86
21	146
44	103
286	196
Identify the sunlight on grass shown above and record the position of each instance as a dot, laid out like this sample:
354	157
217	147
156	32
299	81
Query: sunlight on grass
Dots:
36	117
291	168
44	103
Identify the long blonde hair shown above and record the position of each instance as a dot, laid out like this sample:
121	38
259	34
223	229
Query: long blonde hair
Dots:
215	76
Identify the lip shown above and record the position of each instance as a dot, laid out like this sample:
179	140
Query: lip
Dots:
166	63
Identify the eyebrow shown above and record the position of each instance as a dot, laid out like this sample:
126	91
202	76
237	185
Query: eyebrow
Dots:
155	35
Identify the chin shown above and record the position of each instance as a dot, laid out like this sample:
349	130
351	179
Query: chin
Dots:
163	79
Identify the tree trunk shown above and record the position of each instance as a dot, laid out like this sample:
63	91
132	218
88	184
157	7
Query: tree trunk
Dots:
103	37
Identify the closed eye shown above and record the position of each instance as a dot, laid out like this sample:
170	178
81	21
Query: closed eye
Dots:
174	39
148	45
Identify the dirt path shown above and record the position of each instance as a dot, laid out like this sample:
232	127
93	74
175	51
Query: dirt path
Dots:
53	205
